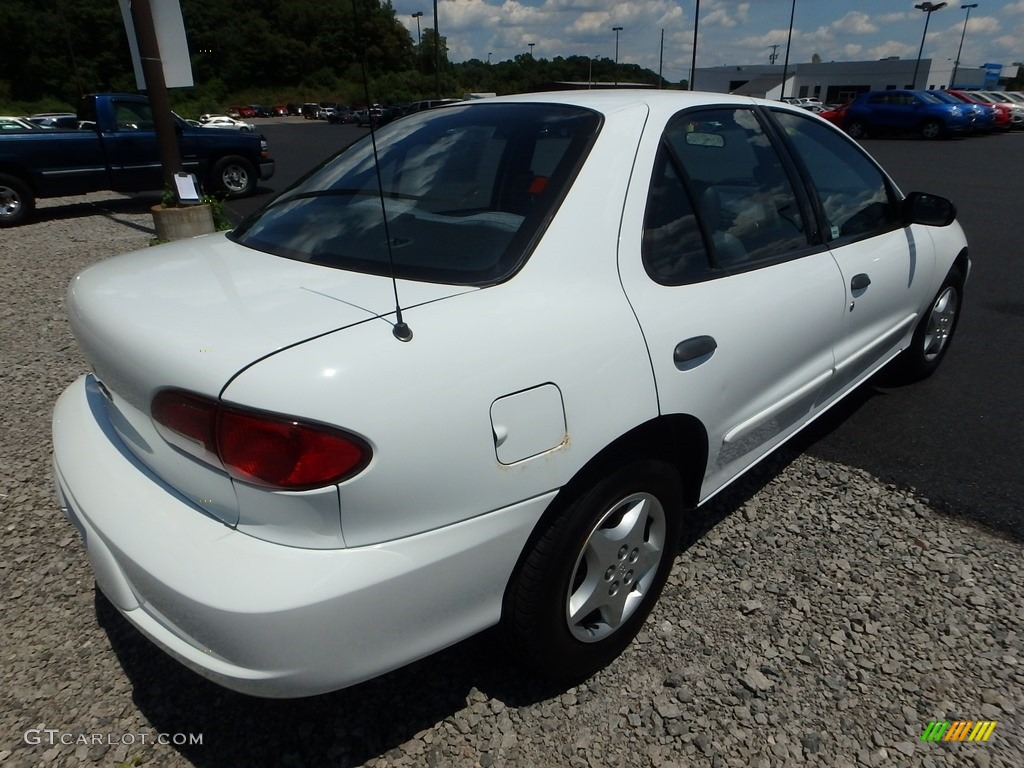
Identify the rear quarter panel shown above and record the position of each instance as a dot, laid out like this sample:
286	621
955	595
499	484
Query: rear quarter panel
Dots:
425	405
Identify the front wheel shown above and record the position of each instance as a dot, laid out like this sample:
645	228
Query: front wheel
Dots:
16	201
584	588
932	129
857	129
933	334
234	176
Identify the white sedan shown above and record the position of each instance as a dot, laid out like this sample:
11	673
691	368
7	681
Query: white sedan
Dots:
480	378
223	121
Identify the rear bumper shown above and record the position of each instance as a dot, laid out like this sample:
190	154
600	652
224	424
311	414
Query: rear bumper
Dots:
266	169
262	618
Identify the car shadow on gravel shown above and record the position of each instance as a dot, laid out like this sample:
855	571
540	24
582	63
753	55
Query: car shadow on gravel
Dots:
344	728
375	718
111	209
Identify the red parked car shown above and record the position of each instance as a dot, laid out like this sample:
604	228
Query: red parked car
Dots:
836	115
241	110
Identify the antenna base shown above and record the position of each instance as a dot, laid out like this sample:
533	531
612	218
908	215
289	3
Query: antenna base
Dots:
402	332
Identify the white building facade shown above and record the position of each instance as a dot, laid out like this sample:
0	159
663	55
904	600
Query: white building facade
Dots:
835	82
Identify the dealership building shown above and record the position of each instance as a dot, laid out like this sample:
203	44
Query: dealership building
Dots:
840	81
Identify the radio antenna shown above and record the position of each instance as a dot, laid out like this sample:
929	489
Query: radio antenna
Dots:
401	331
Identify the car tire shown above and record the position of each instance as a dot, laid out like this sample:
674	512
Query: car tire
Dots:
932	129
16	201
587	582
857	129
233	176
933	334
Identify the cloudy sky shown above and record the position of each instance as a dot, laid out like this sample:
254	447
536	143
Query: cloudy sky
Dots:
730	32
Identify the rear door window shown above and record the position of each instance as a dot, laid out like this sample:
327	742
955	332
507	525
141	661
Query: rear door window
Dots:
721	198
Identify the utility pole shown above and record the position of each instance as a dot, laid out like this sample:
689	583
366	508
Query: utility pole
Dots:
774	54
156	90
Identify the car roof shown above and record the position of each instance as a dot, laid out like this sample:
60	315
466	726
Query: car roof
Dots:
608	101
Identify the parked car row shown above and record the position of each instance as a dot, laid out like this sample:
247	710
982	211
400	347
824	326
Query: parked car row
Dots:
42	121
224	121
258	110
930	114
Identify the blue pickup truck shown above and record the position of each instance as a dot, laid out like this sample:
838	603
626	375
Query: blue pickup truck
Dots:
115	148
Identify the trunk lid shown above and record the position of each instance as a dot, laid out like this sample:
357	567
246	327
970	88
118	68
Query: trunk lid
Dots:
193	314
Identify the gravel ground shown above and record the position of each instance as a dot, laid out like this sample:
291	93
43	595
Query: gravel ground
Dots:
817	617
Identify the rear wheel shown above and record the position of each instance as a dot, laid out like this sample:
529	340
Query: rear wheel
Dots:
16	201
586	585
234	176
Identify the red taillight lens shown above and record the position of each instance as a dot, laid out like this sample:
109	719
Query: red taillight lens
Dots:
191	420
285	453
259	448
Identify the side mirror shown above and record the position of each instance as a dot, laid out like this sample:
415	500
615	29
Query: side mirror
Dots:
930	210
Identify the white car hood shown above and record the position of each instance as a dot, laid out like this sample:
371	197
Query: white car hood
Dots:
192	314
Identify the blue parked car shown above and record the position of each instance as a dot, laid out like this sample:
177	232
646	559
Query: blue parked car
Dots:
900	111
984	114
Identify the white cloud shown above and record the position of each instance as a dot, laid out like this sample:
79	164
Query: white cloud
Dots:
891	48
1009	43
982	25
854	23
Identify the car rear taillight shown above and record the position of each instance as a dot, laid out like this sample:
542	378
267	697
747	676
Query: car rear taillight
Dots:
261	448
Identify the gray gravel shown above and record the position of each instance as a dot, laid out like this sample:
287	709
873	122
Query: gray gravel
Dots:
819	617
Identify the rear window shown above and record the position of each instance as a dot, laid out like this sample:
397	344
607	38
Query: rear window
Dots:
467	191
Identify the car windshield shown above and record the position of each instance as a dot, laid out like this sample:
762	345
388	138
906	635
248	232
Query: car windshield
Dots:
930	97
467	190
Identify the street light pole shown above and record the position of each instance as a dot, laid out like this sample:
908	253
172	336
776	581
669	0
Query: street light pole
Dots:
693	57
437	55
956	64
789	40
419	42
929	9
419	38
531	49
616	30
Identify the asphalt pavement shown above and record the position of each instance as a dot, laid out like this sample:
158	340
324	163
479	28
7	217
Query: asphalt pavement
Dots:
957	438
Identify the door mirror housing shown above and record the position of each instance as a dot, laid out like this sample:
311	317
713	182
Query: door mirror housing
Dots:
930	210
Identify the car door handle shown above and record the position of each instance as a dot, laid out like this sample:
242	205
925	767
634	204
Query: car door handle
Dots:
860	282
692	352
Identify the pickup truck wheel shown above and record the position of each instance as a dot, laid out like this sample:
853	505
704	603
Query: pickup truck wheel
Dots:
234	176
16	201
584	588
